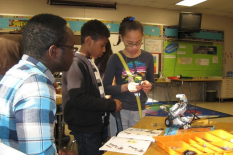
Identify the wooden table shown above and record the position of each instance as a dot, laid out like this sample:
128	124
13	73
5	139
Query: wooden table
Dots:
149	121
197	80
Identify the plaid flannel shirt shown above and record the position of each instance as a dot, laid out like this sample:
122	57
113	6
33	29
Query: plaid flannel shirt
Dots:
28	108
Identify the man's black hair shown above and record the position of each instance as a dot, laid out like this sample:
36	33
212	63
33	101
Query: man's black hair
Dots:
95	29
42	31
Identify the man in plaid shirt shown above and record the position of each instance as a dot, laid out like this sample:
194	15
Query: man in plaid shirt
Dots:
27	95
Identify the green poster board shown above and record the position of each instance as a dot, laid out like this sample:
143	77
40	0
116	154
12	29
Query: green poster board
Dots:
192	59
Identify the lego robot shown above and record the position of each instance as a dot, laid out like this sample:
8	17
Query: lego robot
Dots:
176	113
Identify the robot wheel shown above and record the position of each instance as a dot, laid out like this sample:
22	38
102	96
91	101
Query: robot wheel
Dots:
168	122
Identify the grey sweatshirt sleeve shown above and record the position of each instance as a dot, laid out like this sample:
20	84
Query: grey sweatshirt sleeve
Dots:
74	81
109	76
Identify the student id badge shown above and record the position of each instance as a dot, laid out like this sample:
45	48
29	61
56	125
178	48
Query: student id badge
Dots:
130	79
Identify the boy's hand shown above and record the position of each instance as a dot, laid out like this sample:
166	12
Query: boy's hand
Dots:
65	151
134	87
146	86
118	105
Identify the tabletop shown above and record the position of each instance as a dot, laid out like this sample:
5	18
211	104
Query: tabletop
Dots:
151	122
197	80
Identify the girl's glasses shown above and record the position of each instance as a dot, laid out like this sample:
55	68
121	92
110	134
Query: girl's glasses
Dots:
131	45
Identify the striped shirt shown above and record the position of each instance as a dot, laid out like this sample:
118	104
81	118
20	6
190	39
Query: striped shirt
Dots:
27	108
98	78
99	84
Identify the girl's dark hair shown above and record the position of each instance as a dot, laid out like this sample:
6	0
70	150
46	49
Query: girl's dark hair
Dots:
102	61
127	24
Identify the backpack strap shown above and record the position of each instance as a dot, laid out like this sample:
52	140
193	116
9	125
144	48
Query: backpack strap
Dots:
130	75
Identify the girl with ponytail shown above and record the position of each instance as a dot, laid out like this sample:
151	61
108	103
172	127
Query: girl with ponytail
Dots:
138	82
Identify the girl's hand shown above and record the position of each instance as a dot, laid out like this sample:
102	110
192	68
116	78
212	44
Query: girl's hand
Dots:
134	87
146	86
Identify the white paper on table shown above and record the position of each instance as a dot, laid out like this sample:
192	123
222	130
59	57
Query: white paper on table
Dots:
126	145
136	133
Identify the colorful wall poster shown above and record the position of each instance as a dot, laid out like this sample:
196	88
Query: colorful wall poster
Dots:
156	63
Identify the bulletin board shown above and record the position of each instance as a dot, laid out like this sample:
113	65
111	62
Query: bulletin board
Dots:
9	23
192	59
15	22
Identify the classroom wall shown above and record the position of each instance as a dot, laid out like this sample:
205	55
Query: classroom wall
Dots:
143	14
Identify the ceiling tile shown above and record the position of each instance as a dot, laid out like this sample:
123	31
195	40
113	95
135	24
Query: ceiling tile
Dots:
121	1
211	3
140	3
207	11
225	6
168	1
159	5
215	7
190	9
176	7
145	0
93	1
225	13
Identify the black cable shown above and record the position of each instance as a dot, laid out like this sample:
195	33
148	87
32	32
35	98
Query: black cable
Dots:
194	114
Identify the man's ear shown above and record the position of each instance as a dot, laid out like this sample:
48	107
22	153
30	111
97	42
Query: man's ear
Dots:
88	40
53	51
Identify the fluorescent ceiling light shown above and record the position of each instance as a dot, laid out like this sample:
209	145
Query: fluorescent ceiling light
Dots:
190	2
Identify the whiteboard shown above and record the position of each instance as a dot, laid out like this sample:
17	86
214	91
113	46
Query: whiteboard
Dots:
113	40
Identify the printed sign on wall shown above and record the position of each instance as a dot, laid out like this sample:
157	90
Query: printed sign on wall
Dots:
153	45
171	48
